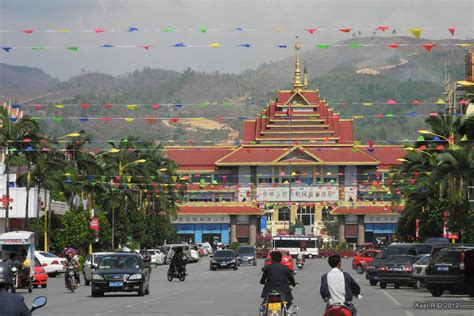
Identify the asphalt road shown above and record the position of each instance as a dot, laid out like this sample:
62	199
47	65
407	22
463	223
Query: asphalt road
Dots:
229	292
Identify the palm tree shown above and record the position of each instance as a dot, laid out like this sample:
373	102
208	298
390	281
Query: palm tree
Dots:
13	132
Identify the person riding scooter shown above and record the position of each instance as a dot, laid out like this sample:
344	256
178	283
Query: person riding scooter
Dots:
10	304
72	262
300	259
179	260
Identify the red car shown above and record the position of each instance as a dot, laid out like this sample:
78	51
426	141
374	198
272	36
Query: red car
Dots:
286	258
40	277
363	259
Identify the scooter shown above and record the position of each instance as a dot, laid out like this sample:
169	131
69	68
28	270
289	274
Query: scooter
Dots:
300	261
274	305
71	280
339	309
176	273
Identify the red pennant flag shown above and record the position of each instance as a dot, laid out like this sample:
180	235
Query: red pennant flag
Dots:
428	47
37	106
423	147
310	31
28	31
106	119
416	102
145	46
151	120
345	30
219	118
189	141
434	114
85	106
393	45
462	102
155	106
379	115
108	105
391	102
174	120
452	30
117	177
27	140
382	28
99	30
344	103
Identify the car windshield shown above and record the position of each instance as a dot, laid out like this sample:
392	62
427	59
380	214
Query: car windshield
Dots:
246	250
392	251
151	252
423	261
447	257
401	259
48	255
224	254
119	262
98	257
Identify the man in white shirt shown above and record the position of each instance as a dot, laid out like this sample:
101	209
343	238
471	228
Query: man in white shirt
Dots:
338	287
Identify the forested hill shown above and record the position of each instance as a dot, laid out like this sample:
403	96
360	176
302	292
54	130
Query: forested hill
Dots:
344	75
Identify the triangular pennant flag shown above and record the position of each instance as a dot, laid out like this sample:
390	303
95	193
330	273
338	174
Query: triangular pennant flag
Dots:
416	32
428	47
155	106
108	105
391	102
282	46
129	119
131	106
203	105
354	45
132	29
203	29
37	48
57	119
451	30
168	29
174	120
106	46
180	44
28	31
367	104
59	106
244	45
465	45
416	102
37	106
99	30
106	119
151	120
321	45
440	102
345	30
72	48
7	48
382	28
392	45
214	45
83	119
85	106
129	178
310	31
146	47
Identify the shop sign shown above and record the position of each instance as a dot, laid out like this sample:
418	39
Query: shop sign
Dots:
201	219
381	219
298	194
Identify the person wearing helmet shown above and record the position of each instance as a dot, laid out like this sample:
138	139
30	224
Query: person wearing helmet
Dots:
10	304
72	262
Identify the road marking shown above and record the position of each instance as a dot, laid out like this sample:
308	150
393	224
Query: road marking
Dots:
409	313
391	298
129	306
164	296
106	312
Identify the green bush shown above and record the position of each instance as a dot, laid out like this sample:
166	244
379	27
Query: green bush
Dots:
234	245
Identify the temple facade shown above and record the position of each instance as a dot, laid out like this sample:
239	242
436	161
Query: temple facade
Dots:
297	166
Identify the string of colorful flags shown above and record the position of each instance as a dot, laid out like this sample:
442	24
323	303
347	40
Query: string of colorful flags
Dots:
415	31
73	48
156	106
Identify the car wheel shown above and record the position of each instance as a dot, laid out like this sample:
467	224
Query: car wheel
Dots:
254	262
397	286
52	274
436	292
236	267
373	282
170	276
383	285
310	256
141	292
360	269
96	293
43	286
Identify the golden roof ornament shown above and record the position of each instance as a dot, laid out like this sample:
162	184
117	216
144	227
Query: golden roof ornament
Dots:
297	85
305	82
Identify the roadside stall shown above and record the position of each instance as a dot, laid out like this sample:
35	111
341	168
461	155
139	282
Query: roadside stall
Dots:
17	248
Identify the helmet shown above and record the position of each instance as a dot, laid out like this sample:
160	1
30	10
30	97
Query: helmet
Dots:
5	273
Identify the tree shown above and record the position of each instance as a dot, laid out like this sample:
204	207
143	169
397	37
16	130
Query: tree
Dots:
75	231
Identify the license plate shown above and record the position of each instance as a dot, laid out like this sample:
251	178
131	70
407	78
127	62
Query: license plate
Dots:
442	268
223	264
116	284
274	306
395	269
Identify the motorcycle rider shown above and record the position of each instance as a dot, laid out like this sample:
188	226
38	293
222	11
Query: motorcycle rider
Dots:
10	304
179	260
72	261
276	276
13	261
338	287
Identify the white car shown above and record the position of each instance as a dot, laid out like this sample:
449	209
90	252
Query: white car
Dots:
157	257
194	254
419	270
51	263
207	247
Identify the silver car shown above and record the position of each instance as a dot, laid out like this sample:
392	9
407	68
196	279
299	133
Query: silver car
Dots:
418	273
90	260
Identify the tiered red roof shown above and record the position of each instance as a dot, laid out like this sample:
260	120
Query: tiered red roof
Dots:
199	159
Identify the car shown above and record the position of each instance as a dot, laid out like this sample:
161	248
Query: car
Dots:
52	264
194	254
224	259
451	269
157	257
396	270
90	260
206	247
286	259
419	267
40	278
247	254
394	249
186	251
363	259
120	272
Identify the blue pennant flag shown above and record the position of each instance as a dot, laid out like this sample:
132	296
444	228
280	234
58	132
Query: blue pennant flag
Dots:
178	45
282	46
107	46
83	119
7	49
244	45
412	114
240	29
16	106
133	29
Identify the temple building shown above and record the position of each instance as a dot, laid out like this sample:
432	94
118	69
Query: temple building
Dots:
297	164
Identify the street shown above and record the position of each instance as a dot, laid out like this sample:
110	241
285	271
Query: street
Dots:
229	292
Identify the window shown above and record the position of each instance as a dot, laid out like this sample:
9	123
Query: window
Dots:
284	214
305	214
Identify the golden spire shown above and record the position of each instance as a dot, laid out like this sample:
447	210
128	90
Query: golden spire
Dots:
305	82
297	81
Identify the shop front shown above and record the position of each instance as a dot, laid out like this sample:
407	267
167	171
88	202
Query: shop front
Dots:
202	228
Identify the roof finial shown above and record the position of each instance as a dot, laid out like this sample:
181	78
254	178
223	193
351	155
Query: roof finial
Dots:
305	82
297	85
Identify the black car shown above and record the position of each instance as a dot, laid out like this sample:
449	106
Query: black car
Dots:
451	269
224	259
121	272
396	270
247	254
394	249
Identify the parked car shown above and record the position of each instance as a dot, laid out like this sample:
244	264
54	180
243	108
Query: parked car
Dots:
418	274
396	270
224	259
164	250
157	257
120	272
40	278
363	259
90	260
195	257
206	247
286	259
247	254
52	264
451	269
394	249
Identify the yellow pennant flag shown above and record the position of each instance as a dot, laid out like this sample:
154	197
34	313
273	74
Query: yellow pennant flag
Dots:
129	185
63	30
367	104
215	45
416	31
131	106
129	178
357	117
440	101
465	45
59	106
174	178
129	119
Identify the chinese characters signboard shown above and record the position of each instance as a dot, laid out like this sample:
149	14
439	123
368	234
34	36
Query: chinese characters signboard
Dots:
298	194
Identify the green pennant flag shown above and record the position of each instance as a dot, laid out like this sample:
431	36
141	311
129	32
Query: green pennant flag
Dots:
104	178
203	29
354	45
72	48
321	45
227	103
389	115
93	183
168	29
203	105
38	48
214	182
152	177
57	119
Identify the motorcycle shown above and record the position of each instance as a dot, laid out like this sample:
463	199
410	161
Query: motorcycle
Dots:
339	309
20	279
275	306
176	273
71	279
300	261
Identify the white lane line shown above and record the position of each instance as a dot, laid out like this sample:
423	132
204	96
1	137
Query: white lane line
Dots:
409	313
391	298
106	312
164	296
128	306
